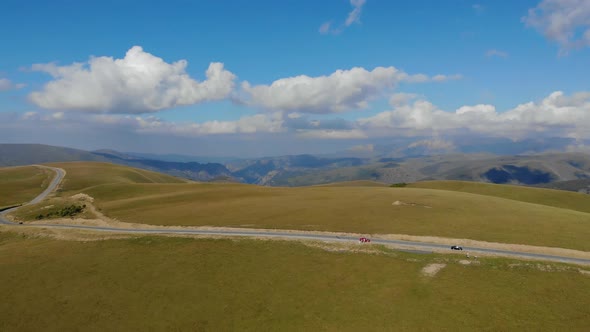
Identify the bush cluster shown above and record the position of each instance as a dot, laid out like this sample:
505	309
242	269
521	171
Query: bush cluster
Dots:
68	211
399	185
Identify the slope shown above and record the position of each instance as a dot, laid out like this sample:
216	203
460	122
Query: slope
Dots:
21	184
549	197
175	284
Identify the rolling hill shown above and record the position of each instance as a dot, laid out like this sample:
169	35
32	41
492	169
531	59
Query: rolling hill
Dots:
26	154
19	185
223	284
507	214
304	170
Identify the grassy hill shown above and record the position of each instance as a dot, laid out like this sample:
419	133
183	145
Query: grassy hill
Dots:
83	175
26	154
175	284
549	197
143	197
21	184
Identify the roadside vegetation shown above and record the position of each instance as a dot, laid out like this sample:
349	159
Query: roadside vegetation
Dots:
54	208
67	211
247	285
19	185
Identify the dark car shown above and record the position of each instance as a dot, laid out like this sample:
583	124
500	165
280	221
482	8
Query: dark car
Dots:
364	240
456	248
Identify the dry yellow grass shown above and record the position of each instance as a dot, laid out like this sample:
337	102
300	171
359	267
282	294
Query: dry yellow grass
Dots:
550	197
173	284
21	184
82	175
136	196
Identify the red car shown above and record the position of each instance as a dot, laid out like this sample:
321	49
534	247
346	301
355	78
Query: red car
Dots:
364	240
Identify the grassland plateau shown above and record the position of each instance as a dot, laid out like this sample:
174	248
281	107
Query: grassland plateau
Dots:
485	212
62	280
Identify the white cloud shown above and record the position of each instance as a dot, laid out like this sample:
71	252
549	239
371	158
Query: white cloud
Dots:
138	83
332	134
433	145
557	114
259	123
566	22
353	17
342	91
401	98
496	53
443	78
6	84
38	116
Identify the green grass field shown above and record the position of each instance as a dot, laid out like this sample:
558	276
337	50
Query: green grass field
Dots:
360	207
21	184
175	284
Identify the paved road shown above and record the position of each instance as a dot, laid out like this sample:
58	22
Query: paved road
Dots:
59	175
419	246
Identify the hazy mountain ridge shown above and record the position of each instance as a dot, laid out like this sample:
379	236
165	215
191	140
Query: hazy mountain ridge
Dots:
26	154
263	171
553	170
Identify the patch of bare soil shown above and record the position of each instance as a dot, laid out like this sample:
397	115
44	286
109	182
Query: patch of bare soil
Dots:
431	270
584	272
400	203
344	247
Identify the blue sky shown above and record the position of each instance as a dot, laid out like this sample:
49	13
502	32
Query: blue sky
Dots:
433	57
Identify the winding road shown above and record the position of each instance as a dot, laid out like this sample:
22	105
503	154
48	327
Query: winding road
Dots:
400	244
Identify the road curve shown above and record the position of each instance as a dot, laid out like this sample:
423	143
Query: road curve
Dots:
420	246
59	175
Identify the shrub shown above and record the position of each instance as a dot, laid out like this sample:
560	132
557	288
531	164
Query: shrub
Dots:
399	185
68	211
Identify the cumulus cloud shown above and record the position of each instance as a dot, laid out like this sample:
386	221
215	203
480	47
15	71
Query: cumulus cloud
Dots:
138	83
332	134
496	53
433	145
353	17
342	91
259	123
557	114
411	118
401	98
566	22
6	84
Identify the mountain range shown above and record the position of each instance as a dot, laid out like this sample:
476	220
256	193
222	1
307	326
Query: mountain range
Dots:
568	171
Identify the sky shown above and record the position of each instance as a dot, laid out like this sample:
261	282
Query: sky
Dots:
260	78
